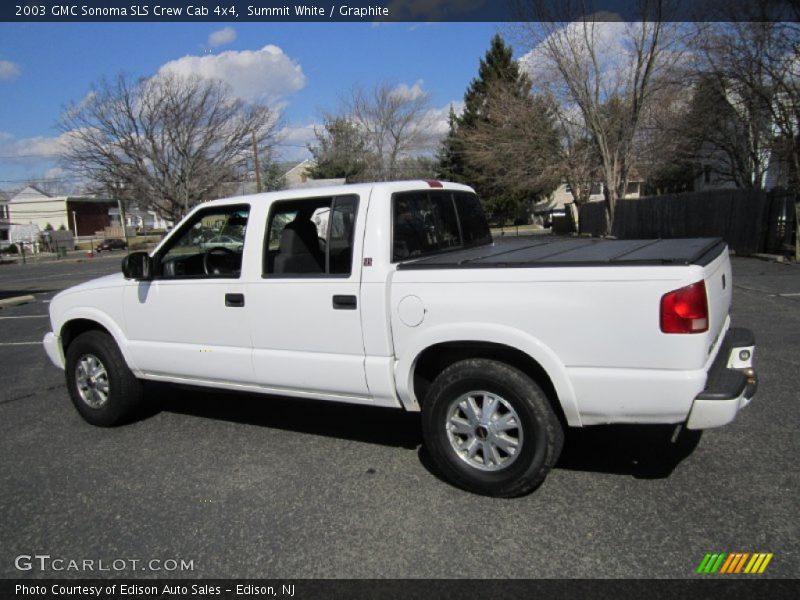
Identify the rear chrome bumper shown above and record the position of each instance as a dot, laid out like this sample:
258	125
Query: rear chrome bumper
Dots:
732	382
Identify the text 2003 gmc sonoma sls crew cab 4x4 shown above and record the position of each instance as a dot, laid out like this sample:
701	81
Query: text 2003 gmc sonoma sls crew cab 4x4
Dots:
395	294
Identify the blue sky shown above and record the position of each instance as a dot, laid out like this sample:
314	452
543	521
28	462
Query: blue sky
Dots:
304	67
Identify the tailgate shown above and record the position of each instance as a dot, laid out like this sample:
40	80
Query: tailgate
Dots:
719	287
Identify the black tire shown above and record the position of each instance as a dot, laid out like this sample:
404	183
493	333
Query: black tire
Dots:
539	434
123	396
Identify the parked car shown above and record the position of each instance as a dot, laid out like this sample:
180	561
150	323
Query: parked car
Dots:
403	299
112	244
223	241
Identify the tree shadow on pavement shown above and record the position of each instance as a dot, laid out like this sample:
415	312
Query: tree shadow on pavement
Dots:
369	424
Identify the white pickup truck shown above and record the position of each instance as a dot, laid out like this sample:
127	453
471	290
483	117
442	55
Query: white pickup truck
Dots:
395	294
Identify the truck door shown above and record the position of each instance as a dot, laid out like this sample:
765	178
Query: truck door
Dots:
189	321
305	311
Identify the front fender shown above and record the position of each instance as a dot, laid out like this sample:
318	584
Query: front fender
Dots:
102	319
492	333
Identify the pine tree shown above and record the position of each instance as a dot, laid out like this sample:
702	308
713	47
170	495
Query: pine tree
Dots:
341	151
498	71
498	66
450	165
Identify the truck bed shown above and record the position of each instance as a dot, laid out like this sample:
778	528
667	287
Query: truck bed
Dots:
536	251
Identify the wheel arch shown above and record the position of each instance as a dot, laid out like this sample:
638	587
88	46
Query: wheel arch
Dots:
76	323
512	347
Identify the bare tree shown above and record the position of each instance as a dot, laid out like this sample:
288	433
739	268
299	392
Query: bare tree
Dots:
578	159
756	65
755	62
166	143
396	124
606	71
52	186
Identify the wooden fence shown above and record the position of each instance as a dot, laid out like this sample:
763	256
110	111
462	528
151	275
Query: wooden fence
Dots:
740	217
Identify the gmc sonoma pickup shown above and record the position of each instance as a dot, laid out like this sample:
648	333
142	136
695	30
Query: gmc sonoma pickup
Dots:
395	295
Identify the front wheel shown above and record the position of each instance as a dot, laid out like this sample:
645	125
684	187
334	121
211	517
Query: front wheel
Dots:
102	387
490	428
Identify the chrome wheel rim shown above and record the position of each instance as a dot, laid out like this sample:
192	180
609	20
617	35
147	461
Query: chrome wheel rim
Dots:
484	430
91	378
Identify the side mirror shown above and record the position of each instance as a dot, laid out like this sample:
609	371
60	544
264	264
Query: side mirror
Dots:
138	265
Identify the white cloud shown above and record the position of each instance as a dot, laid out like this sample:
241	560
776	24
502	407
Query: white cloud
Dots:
409	93
32	149
8	69
55	173
439	118
294	140
221	37
265	74
609	43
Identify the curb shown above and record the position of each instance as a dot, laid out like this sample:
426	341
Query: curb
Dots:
15	300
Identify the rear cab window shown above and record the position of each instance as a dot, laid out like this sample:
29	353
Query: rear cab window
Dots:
428	222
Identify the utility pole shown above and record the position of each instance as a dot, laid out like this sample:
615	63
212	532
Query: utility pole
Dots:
75	224
118	189
258	170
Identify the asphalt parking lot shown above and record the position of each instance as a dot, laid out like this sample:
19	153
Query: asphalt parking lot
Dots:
262	487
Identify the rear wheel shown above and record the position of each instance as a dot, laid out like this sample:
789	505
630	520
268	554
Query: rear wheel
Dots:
102	387
490	428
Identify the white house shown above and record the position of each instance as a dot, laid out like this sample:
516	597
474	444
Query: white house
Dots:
139	218
83	215
297	177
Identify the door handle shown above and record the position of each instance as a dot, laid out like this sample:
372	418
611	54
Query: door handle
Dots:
344	302
234	300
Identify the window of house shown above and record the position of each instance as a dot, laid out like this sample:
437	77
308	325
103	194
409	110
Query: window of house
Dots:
209	245
311	237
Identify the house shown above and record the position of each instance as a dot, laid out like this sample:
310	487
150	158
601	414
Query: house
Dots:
32	208
297	177
139	219
562	196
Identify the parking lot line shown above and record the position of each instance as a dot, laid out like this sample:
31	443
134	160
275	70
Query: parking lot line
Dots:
25	317
19	343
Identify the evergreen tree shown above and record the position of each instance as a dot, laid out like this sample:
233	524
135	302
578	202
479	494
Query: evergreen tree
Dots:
498	73
450	162
341	151
498	66
272	171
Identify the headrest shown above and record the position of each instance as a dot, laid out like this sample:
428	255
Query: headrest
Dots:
292	243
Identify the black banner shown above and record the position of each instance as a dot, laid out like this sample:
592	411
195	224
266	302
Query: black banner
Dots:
277	11
411	589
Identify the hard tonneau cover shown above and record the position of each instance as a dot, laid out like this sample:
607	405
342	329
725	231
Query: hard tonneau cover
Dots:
534	251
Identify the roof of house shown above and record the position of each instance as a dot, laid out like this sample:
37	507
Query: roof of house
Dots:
299	166
29	192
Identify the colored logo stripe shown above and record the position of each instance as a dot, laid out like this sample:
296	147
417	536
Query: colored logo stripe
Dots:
734	563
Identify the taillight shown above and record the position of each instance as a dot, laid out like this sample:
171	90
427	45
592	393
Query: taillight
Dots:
685	310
